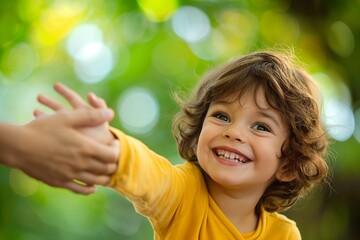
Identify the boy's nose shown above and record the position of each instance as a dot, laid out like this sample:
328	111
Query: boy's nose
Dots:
237	139
235	133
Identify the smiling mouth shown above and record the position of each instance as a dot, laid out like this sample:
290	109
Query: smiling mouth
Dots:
230	156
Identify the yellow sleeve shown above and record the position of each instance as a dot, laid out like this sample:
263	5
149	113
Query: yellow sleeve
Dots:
147	179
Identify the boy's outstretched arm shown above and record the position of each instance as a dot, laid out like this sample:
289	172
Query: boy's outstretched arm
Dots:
52	150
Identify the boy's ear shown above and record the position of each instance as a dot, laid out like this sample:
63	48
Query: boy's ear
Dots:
283	174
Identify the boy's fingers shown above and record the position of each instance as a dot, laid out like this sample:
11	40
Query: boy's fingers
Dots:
105	154
98	167
79	188
113	152
71	96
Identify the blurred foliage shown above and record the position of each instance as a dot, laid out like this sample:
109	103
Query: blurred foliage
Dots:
114	48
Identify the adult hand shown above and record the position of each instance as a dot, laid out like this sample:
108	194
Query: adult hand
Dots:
100	132
52	150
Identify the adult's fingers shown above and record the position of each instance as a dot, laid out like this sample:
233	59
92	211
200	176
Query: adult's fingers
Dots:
88	117
99	166
74	186
104	153
89	179
71	96
79	188
38	113
50	103
96	101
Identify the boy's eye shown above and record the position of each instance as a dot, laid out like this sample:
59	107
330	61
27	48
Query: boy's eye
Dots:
221	116
261	127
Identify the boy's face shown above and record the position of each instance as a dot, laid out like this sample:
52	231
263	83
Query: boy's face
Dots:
240	143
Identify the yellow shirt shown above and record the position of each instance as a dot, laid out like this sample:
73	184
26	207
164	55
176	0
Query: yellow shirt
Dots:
176	201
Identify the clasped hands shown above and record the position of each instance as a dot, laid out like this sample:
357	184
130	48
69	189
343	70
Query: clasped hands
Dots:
88	152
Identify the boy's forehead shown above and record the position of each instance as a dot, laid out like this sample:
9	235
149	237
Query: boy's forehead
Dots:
257	95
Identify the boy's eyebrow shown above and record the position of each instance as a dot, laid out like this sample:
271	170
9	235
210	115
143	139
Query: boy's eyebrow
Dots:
220	102
268	114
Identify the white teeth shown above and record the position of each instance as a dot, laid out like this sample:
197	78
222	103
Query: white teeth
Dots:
230	156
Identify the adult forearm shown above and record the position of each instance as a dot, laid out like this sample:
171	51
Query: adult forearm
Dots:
9	138
53	150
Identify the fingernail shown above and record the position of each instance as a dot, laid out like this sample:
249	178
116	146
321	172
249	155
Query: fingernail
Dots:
106	113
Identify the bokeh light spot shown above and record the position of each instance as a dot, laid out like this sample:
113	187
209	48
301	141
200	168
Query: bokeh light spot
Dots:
338	115
97	65
339	119
158	10
81	36
93	59
239	29
341	39
9	97
19	61
138	110
191	24
55	23
357	124
210	48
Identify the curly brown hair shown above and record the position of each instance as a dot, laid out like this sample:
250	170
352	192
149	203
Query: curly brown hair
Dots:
289	90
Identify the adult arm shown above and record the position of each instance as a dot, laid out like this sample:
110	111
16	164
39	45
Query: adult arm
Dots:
52	150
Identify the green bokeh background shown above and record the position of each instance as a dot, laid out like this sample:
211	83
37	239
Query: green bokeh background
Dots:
147	53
